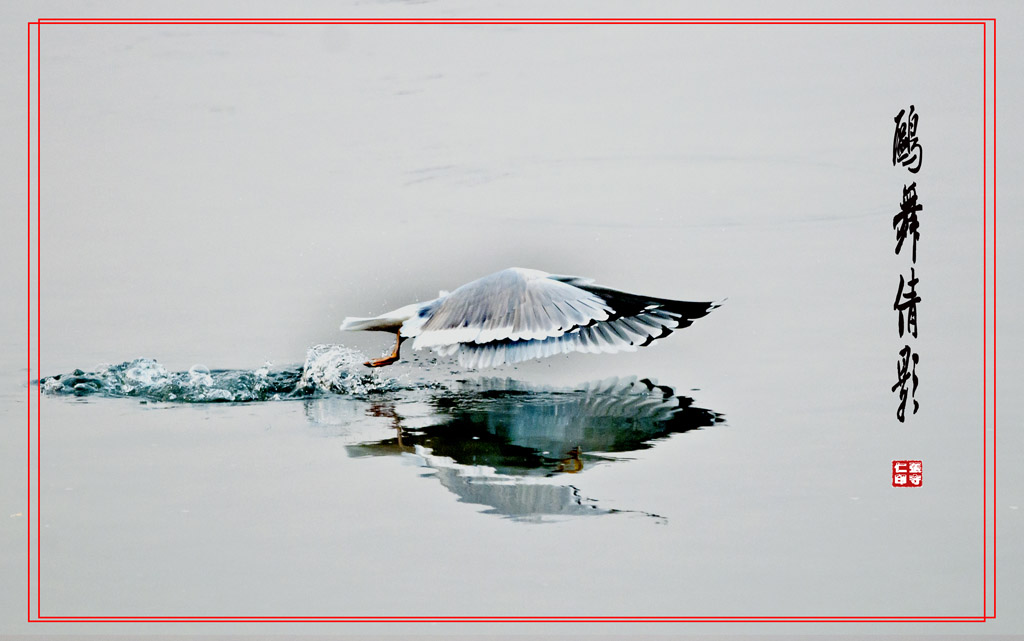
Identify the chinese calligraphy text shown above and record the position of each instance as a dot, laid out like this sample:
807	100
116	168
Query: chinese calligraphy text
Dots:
907	151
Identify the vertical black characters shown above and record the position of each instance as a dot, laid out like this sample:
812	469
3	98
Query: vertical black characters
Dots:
906	223
907	302
905	148
906	372
906	151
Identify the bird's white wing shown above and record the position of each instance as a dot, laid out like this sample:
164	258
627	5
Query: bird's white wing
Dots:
511	305
635	321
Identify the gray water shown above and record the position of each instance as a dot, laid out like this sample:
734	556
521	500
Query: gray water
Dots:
484	437
217	199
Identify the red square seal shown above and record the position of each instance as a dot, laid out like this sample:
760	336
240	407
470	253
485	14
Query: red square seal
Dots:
907	473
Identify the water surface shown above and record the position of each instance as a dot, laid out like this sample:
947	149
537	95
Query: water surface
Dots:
497	442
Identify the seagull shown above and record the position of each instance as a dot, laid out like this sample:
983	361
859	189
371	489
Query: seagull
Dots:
519	314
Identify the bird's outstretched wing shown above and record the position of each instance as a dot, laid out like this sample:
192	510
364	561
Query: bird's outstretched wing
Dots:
516	315
636	321
511	305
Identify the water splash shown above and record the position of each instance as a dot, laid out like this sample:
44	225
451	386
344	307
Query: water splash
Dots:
331	369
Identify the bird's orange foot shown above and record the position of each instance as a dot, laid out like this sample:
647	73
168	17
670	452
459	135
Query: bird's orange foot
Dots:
381	362
390	358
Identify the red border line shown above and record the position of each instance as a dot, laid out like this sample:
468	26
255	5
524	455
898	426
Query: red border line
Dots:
28	322
995	317
494	22
511	20
540	619
825	618
554	618
484	21
984	320
521	620
39	286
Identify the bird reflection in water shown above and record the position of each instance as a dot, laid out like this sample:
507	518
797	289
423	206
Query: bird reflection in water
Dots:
507	445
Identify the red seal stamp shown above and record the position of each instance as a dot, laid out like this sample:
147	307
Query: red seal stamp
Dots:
907	473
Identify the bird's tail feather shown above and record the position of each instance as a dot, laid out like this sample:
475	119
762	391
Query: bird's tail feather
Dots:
353	323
